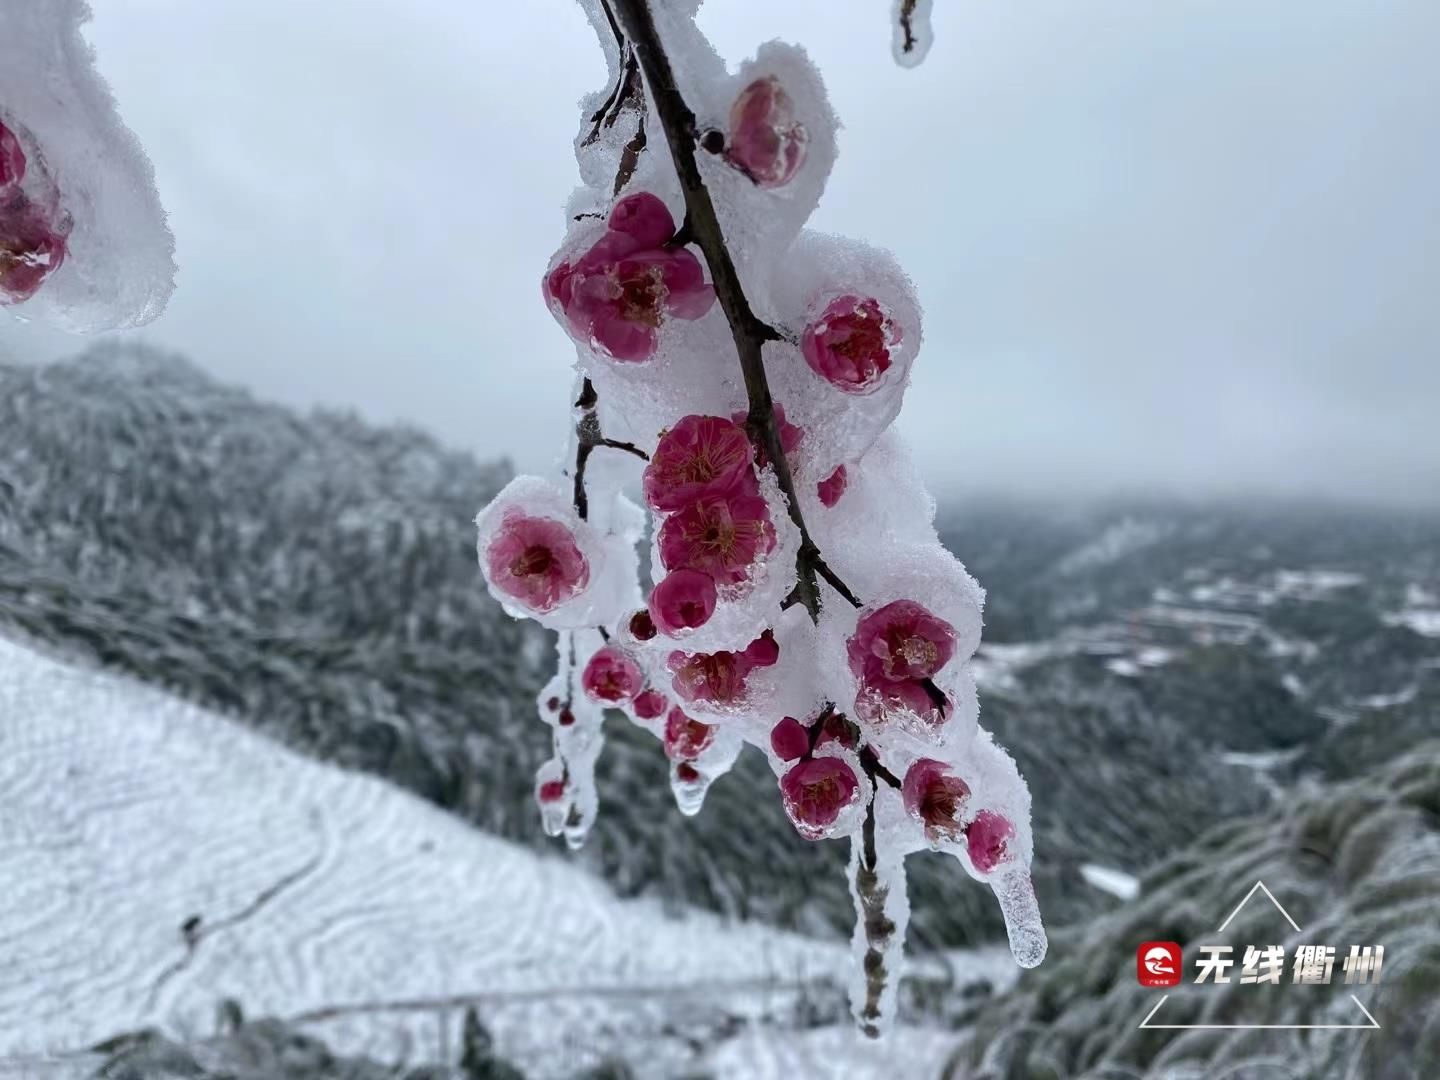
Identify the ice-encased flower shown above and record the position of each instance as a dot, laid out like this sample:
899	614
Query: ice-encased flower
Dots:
12	159
650	705
835	728
789	739
816	791
700	456
849	344
616	295
33	243
682	600
723	536
642	625
551	791
880	700
720	677
987	839
905	638
535	561
832	487
765	139
685	738
936	797
611	675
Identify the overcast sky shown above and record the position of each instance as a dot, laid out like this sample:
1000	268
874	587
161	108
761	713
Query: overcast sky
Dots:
1179	243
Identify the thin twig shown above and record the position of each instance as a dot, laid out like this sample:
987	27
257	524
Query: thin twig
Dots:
879	927
587	437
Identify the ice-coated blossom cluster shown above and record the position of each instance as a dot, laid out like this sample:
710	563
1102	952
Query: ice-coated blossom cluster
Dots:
743	373
83	241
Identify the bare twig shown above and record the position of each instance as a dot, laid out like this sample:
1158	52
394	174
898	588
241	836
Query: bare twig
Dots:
587	437
879	927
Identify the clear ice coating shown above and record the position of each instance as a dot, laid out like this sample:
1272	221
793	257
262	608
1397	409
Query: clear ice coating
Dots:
726	655
118	265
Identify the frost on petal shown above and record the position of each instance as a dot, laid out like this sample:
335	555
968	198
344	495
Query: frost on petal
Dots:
611	675
683	600
84	245
766	140
723	536
699	456
849	343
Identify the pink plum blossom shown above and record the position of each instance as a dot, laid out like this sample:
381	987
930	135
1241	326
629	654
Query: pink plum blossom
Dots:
686	739
33	244
849	344
650	705
700	456
681	600
720	677
987	839
611	675
766	140
724	536
905	638
936	797
764	651
551	791
835	728
789	739
815	793
535	561
832	487
615	296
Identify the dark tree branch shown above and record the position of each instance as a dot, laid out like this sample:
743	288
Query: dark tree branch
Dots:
879	927
906	15
749	331
587	437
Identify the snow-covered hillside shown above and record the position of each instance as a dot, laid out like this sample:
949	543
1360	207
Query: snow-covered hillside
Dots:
126	814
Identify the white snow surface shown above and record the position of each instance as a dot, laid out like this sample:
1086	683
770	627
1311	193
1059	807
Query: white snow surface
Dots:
124	811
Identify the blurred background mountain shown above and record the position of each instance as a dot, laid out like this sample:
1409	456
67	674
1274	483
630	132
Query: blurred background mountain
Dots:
1157	667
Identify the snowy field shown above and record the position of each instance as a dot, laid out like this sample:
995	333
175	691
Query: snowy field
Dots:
335	899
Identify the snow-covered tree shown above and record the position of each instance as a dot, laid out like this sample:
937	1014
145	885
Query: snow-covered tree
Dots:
749	370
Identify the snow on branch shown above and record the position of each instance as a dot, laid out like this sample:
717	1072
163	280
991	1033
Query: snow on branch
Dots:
750	371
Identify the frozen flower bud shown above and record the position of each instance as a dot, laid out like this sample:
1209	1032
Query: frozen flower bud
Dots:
551	791
686	773
567	717
553	703
723	536
766	140
33	243
816	791
901	640
683	599
987	839
686	739
535	561
642	626
615	297
789	739
832	487
644	218
849	345
936	797
12	160
650	705
764	651
700	456
611	675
